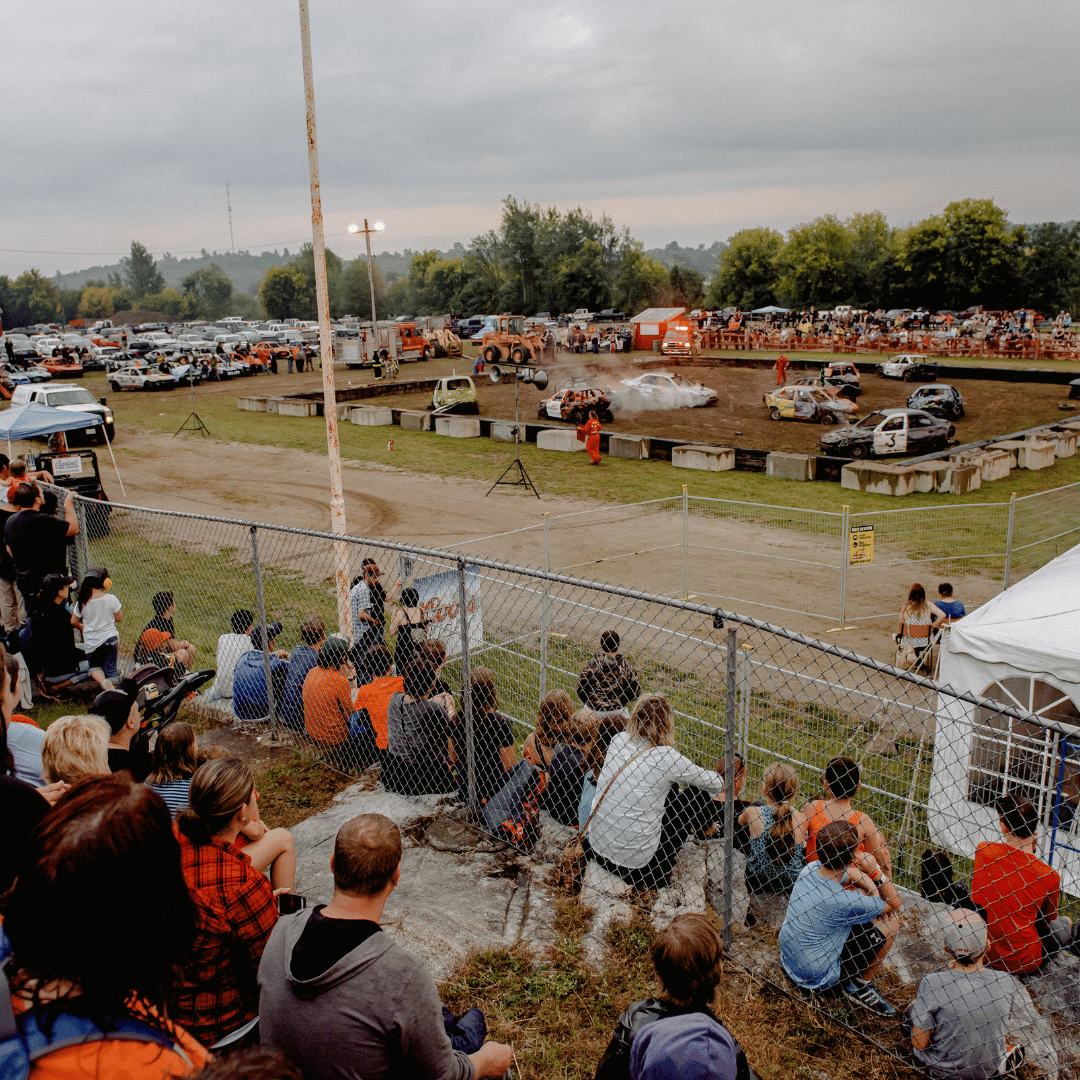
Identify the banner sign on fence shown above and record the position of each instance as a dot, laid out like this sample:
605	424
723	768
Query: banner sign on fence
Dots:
440	601
861	545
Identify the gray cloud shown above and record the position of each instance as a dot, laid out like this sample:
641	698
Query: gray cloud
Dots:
684	121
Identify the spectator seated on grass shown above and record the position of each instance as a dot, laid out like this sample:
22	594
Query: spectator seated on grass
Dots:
330	716
777	852
841	782
119	708
936	880
834	935
493	739
560	746
104	857
250	699
608	682
418	730
1018	893
158	643
742	836
175	760
339	998
958	1021
676	1034
230	648
235	905
374	697
54	654
301	660
76	748
639	828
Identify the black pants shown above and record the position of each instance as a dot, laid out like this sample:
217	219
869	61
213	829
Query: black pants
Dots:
687	810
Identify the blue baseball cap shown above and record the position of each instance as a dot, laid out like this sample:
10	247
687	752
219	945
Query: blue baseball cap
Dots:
690	1046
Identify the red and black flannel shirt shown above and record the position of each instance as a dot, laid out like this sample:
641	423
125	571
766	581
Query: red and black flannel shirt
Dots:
236	912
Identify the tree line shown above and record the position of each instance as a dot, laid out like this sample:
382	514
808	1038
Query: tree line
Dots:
968	254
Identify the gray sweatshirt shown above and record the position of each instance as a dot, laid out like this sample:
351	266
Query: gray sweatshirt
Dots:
375	1013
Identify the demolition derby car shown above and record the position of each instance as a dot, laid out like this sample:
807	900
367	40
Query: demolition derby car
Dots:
139	377
455	394
661	390
909	367
808	403
574	401
940	399
889	431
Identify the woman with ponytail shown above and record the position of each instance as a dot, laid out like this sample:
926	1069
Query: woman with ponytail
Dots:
777	834
235	902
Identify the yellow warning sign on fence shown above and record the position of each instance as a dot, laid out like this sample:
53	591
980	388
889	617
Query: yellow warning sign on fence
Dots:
861	545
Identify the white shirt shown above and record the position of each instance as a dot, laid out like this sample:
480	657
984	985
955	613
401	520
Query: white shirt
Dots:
626	829
99	620
230	647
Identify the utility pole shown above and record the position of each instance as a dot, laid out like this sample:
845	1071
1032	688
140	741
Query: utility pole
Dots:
228	202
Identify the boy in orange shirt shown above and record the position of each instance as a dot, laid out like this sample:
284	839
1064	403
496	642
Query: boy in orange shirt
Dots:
329	714
375	695
1019	894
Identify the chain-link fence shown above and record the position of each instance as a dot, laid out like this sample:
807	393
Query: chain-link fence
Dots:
534	698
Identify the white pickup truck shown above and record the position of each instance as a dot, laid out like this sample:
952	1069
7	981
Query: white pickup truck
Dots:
582	315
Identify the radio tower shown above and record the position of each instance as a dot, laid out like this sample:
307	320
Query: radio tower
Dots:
228	202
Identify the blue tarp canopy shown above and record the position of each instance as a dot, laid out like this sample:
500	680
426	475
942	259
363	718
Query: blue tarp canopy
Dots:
772	309
34	419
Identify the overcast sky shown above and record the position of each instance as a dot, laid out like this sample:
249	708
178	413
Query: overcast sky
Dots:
683	121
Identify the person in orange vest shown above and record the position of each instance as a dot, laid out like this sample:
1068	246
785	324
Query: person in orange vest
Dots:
590	433
782	364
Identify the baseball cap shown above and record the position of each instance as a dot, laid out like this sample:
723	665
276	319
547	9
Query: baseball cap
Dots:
272	631
114	706
51	584
691	1046
966	938
333	652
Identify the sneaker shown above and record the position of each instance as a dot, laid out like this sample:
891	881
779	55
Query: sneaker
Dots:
1014	1058
864	994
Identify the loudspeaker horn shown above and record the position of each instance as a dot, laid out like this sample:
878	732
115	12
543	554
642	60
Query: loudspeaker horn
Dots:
494	374
540	380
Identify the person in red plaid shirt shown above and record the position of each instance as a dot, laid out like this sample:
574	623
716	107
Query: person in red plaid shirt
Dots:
235	903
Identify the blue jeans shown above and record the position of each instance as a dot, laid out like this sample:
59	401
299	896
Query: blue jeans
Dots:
105	656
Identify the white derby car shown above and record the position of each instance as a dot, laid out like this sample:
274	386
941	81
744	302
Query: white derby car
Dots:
665	391
138	377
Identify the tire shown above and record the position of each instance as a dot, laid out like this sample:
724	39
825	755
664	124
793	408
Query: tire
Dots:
541	412
952	432
957	412
576	417
518	356
491	354
859	451
909	376
607	416
826	417
774	414
848	392
425	353
115	387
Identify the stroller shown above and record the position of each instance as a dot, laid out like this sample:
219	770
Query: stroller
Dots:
161	693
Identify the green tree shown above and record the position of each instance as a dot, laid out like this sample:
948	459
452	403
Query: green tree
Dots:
638	279
873	260
284	292
96	302
209	292
687	286
335	273
140	273
583	276
748	270
170	302
1050	277
33	299
356	294
816	263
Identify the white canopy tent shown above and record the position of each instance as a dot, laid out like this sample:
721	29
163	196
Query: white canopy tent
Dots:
1021	649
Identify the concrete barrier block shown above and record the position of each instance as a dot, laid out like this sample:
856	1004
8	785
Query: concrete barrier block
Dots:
1064	442
458	427
1035	454
294	407
931	475
503	431
634	447
1011	447
996	465
372	416
706	458
961	479
415	420
251	404
879	478
563	439
790	466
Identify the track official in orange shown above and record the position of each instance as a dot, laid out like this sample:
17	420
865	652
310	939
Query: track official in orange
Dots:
782	365
591	431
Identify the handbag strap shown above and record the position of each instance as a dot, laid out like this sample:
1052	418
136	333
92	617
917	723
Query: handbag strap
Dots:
596	804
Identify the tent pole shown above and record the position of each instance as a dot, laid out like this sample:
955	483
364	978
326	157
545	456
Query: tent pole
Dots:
113	456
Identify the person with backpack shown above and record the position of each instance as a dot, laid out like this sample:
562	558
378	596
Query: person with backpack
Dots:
777	834
676	1033
76	1000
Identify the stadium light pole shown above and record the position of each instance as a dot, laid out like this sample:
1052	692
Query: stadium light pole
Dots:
326	344
367	231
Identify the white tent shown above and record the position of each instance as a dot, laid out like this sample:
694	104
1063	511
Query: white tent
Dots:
1021	649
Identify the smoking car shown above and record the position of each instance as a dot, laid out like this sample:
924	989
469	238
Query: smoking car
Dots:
574	403
662	390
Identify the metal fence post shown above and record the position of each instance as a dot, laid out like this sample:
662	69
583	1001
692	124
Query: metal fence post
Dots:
81	548
1009	538
466	690
729	782
545	612
262	623
685	543
845	556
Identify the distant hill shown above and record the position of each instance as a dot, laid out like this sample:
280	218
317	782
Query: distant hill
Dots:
702	258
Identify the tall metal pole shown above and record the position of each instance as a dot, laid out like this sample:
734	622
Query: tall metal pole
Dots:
845	558
729	783
466	691
685	544
261	604
545	614
1009	539
370	277
326	345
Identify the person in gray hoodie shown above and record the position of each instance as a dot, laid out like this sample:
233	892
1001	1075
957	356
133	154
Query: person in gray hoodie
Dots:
341	999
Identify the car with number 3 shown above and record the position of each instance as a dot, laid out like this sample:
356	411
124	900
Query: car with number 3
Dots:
889	431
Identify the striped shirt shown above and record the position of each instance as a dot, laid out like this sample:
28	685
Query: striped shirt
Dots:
175	794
